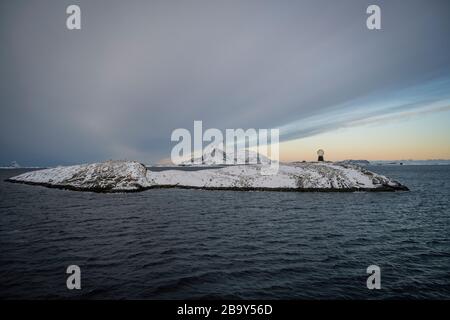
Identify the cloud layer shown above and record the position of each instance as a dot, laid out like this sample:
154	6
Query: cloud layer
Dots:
139	69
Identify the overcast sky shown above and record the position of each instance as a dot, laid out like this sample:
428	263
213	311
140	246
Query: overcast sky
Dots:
137	70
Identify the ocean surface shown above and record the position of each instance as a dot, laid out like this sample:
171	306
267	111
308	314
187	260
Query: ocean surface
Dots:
194	244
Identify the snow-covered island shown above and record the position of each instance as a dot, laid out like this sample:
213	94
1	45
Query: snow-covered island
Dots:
129	176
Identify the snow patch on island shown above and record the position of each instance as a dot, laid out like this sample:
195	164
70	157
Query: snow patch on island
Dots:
105	176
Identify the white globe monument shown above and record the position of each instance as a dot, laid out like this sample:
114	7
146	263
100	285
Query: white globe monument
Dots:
320	154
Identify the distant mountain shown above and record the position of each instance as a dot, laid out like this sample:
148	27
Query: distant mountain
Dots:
16	165
432	162
357	162
217	156
12	165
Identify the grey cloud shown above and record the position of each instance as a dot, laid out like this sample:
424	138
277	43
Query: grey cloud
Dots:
139	69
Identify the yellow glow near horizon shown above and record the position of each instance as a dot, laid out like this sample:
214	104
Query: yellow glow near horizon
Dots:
422	137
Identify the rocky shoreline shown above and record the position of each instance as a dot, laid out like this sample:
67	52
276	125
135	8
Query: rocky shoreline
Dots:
103	190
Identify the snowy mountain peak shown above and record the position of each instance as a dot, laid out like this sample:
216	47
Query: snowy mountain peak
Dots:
215	155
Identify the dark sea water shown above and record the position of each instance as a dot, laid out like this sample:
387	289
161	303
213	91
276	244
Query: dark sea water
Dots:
180	244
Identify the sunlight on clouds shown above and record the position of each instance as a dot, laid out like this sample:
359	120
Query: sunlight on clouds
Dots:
425	136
